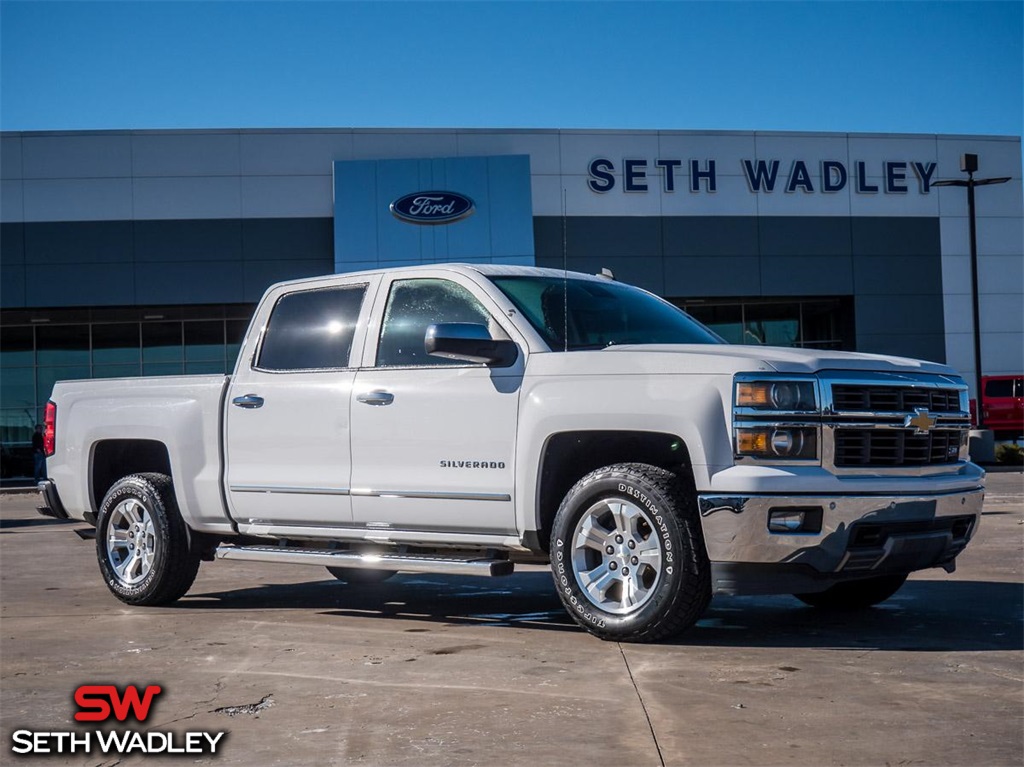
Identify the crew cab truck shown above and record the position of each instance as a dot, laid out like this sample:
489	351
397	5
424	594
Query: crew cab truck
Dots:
465	418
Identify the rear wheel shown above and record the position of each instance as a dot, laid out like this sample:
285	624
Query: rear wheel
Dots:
628	556
142	543
358	575
856	595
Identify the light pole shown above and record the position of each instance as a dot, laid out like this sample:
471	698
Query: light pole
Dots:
969	164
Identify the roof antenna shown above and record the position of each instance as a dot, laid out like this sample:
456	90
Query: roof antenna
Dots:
565	278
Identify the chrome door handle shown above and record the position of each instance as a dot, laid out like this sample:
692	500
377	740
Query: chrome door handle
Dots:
248	401
376	397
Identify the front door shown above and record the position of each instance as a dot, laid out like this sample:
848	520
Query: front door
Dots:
433	438
287	421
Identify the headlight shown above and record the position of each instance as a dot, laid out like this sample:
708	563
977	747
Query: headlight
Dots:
772	442
783	395
776	418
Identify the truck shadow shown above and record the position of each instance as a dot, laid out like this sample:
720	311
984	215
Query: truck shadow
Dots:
924	616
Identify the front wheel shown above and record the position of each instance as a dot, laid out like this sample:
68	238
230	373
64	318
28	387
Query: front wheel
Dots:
142	542
855	595
628	555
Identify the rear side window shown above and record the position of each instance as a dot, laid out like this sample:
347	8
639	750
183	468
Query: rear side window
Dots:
312	329
999	388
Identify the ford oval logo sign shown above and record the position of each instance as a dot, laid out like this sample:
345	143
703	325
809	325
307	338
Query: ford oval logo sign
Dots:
432	207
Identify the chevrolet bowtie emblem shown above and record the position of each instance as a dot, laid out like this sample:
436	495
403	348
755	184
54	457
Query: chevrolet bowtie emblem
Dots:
921	421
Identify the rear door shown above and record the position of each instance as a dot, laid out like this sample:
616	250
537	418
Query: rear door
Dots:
287	421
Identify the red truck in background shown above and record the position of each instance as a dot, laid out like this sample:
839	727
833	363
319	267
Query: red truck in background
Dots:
1002	403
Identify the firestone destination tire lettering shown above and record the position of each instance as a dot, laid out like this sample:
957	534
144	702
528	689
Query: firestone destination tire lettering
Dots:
628	555
142	542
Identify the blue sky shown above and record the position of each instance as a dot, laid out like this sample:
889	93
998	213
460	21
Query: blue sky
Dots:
922	67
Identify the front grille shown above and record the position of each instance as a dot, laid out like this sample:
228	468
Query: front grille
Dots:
856	398
895	447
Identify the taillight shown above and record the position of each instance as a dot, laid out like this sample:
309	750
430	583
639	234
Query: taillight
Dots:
50	435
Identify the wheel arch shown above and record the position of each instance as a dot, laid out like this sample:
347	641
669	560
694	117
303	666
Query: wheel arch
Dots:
568	456
113	459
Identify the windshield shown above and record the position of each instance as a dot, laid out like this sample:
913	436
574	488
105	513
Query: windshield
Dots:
599	314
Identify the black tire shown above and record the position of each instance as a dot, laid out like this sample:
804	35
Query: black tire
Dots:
358	575
668	523
173	563
855	595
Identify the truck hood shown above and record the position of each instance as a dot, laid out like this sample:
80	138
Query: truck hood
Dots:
722	359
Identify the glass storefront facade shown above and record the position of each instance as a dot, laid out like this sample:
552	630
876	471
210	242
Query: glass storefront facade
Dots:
40	347
815	323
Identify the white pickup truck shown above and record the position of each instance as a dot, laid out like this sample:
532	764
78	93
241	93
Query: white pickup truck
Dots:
464	418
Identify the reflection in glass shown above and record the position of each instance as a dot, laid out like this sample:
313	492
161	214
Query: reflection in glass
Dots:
16	426
62	345
726	320
299	334
18	388
16	347
772	324
205	341
162	369
116	371
161	342
117	343
204	368
46	377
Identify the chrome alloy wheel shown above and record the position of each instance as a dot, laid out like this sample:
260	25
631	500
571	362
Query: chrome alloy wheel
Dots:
616	556
131	541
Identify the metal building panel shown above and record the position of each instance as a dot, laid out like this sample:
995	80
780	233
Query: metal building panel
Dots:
542	147
728	151
996	156
287	196
995	200
77	156
188	197
398	144
12	202
293	153
10	157
731	198
186	154
86	199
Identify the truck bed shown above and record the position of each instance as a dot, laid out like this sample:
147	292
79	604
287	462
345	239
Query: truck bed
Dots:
126	416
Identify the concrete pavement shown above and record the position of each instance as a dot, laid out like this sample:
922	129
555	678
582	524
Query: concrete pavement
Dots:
427	670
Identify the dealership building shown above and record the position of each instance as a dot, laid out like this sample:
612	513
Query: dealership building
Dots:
144	252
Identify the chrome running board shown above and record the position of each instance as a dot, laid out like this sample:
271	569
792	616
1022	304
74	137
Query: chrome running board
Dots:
396	562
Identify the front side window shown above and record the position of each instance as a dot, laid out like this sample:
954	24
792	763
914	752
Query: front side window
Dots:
572	314
312	329
413	306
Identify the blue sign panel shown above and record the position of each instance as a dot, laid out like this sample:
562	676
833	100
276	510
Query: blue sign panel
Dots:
486	202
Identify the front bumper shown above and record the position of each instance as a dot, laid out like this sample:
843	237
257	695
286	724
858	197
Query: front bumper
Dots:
860	536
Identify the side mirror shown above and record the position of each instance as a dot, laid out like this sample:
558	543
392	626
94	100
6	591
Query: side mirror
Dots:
469	342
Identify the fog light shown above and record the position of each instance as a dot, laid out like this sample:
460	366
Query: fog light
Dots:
792	519
786	521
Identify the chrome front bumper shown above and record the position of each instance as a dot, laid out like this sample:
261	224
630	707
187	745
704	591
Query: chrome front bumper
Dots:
859	536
